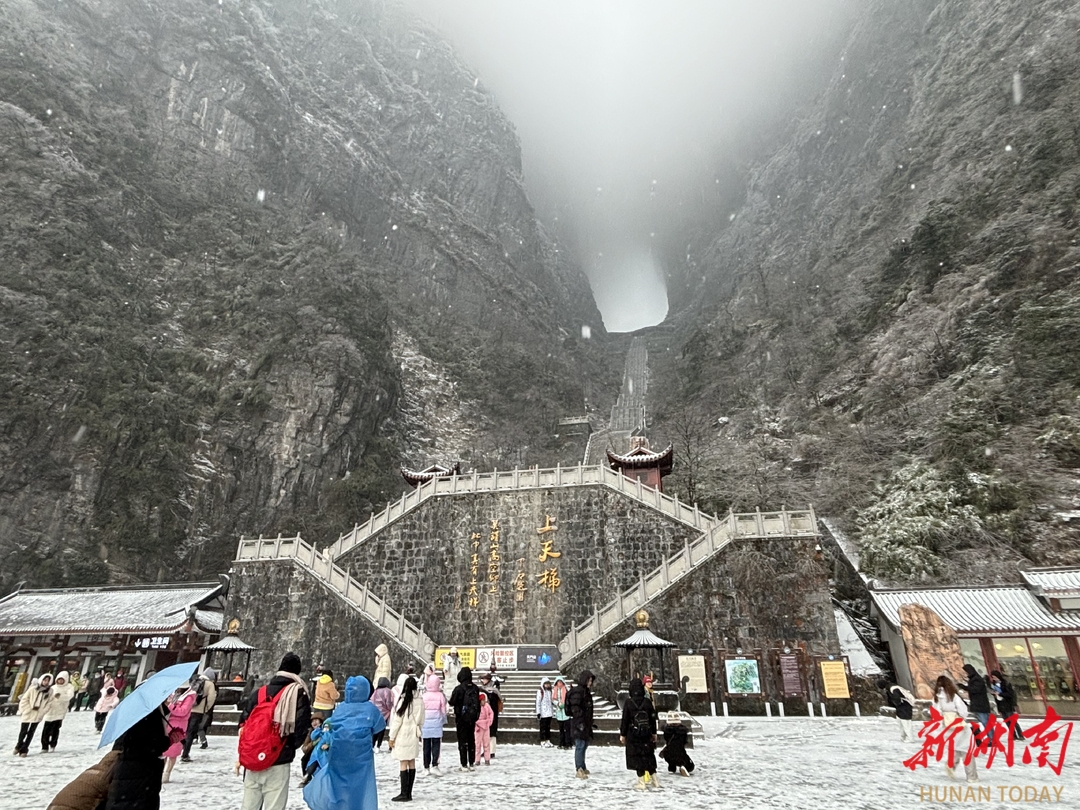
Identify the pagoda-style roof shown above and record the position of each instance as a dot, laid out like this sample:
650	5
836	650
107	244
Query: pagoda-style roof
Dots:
641	457
417	477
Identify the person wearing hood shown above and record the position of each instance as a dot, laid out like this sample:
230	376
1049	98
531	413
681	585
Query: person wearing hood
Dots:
451	668
206	697
674	753
978	695
483	730
136	782
637	731
108	701
63	693
326	695
1005	697
558	702
269	789
435	711
579	701
489	684
382	664
180	704
465	701
33	704
545	710
345	779
383	700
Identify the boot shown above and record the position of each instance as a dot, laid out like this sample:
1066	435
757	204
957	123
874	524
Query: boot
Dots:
640	783
403	795
412	779
491	747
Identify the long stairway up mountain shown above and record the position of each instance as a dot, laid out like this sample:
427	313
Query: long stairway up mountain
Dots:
628	413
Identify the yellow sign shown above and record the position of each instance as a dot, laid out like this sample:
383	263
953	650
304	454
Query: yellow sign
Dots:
467	655
694	667
834	680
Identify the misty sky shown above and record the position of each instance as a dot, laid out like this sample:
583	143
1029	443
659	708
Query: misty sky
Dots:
636	116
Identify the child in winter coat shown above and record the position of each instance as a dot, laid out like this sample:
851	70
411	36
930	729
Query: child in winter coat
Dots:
383	700
180	705
483	730
326	695
435	711
545	710
106	703
675	734
309	764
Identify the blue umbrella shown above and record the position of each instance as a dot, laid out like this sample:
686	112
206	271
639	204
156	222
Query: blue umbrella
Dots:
146	698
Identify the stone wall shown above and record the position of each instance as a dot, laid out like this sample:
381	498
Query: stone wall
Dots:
283	607
422	564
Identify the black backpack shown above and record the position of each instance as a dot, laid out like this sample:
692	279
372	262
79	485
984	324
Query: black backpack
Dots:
641	728
470	703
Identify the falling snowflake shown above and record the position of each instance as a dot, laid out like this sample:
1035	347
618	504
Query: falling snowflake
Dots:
260	195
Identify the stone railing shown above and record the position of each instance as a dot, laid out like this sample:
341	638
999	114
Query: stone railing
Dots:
736	526
518	479
338	580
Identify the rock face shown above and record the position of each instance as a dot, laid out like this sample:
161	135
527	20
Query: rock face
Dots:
889	325
223	223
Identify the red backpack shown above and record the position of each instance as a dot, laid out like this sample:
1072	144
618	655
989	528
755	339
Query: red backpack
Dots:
260	740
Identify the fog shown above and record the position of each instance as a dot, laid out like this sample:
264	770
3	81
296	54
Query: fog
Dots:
637	117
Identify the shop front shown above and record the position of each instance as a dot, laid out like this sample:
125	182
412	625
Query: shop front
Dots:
129	630
1014	630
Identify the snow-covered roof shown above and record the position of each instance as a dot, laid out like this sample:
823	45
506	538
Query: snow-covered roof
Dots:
230	644
1053	581
980	611
644	637
162	608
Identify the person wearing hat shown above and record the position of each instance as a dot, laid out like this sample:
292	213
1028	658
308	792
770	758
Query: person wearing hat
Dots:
489	685
269	789
451	668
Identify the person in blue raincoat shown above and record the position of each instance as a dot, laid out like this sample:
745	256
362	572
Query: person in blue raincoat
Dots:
346	776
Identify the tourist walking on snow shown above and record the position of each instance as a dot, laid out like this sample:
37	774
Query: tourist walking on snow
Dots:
483	730
637	732
953	710
580	703
382	664
33	704
545	710
95	690
558	702
326	695
345	778
978	695
206	697
268	789
489	684
108	701
1005	697
180	705
62	694
82	693
406	724
674	753
435	711
76	682
383	700
465	701
903	701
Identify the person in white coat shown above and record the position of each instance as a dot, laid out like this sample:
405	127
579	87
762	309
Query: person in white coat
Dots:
62	694
451	668
953	709
545	710
406	723
382	664
33	704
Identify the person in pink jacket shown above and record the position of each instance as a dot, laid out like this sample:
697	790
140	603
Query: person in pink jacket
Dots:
180	705
383	700
483	730
435	711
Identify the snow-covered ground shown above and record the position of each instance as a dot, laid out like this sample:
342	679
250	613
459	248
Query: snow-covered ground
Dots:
743	763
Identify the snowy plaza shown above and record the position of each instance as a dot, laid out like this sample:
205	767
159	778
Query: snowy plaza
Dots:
743	762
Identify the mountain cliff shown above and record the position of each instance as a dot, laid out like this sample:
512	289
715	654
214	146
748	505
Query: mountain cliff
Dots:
256	254
889	323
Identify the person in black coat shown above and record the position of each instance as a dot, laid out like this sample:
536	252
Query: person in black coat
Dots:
465	727
640	742
674	753
978	698
136	781
1005	696
579	703
900	701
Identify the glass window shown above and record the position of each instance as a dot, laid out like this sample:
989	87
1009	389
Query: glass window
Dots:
1014	660
971	652
1058	681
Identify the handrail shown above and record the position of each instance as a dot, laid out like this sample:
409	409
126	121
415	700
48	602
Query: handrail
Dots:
516	480
755	525
339	580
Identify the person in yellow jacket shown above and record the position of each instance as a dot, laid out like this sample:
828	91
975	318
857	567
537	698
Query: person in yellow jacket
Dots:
326	695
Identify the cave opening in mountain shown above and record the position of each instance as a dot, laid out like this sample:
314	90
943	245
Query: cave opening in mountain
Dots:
629	289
